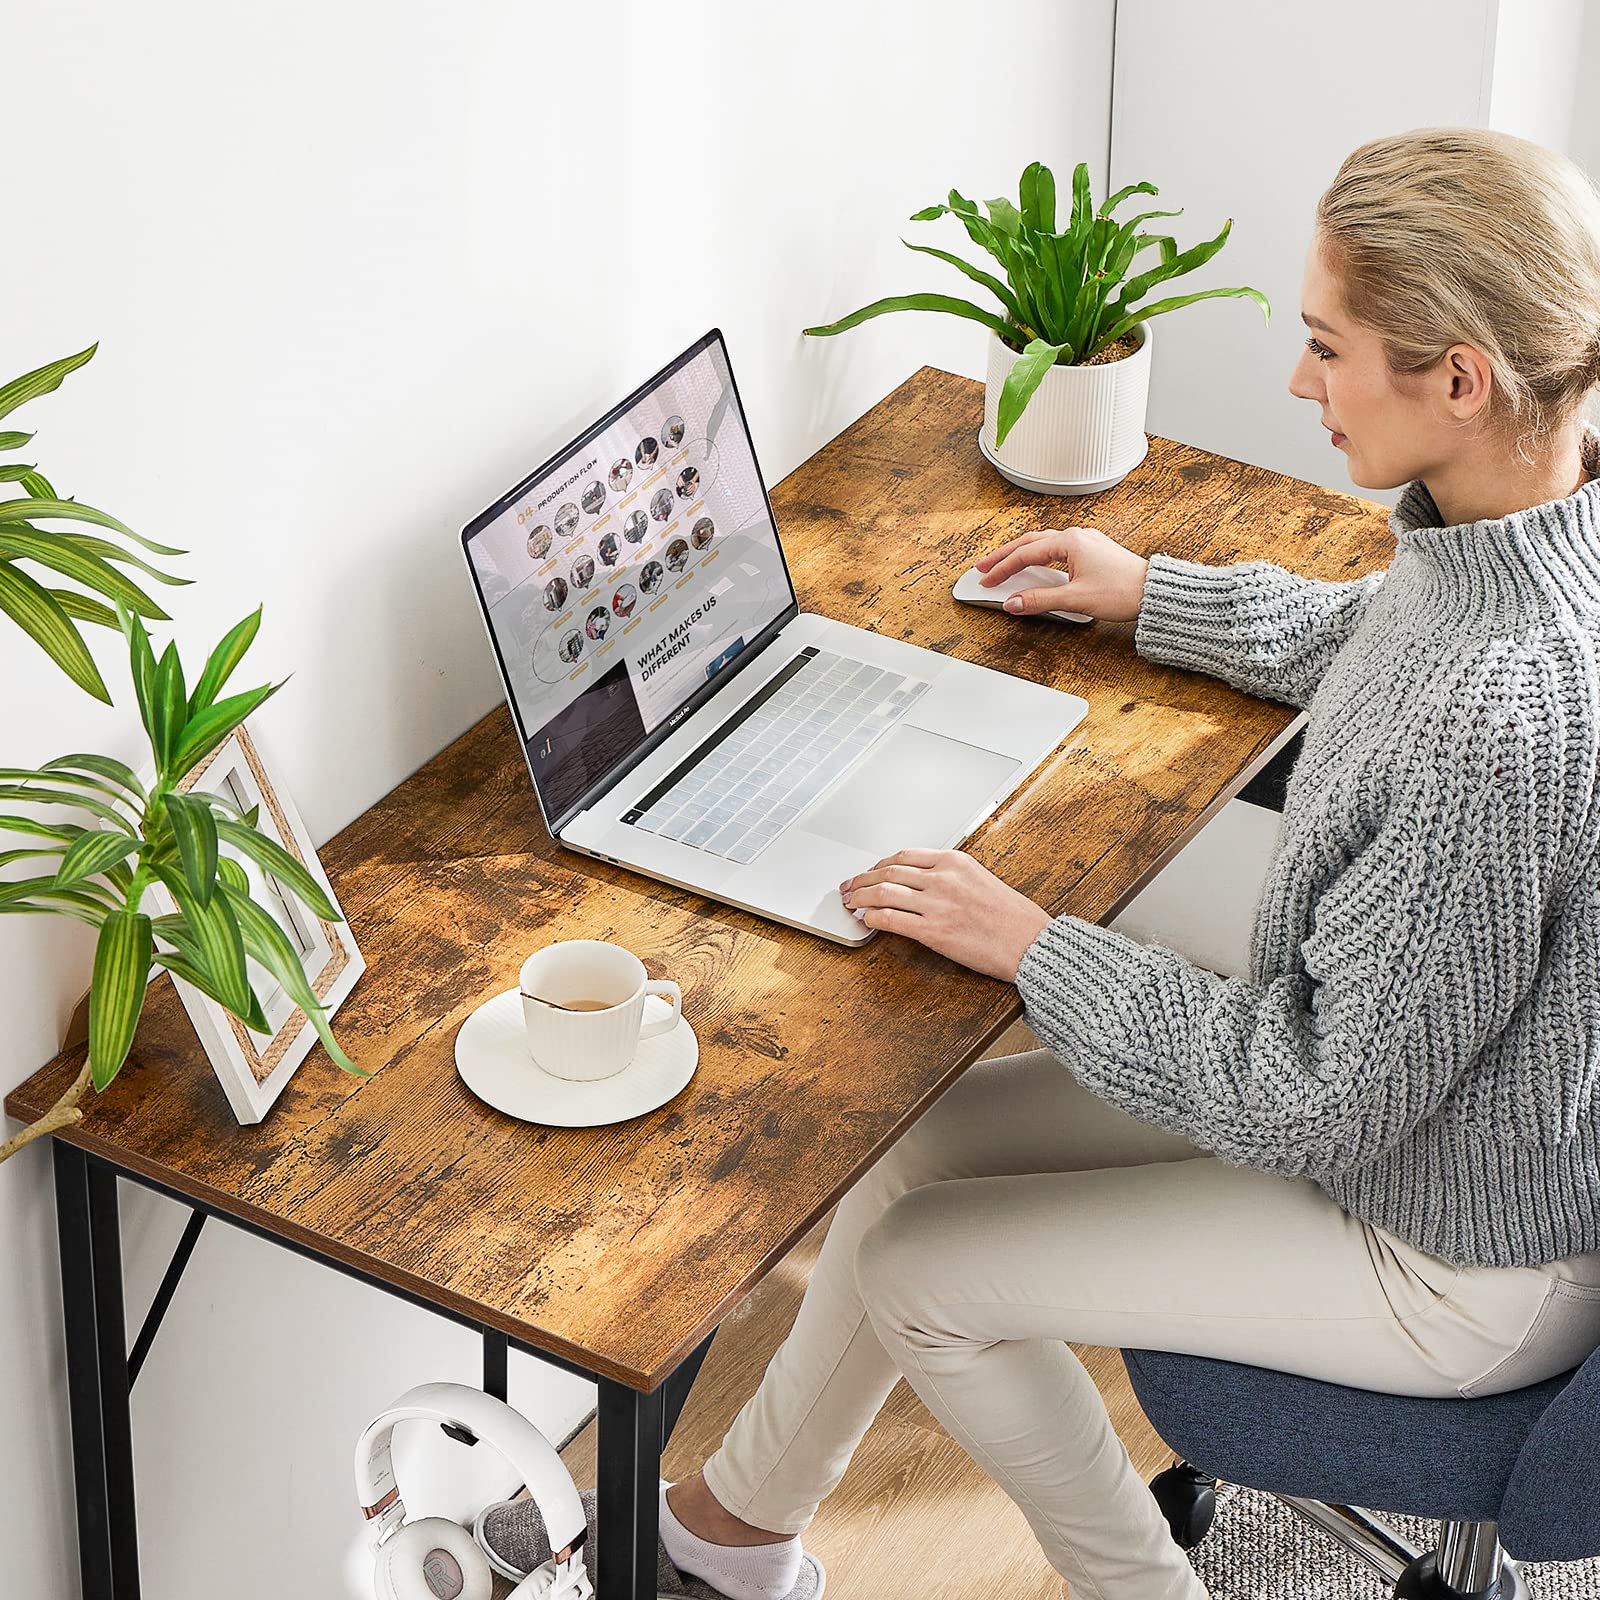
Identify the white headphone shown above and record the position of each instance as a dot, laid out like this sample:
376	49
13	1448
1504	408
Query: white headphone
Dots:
436	1559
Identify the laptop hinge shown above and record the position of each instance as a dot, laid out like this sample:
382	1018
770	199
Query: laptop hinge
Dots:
745	659
721	732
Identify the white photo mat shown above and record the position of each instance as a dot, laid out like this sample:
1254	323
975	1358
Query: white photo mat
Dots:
253	1068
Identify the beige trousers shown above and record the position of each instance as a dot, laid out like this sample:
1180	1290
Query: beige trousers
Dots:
1022	1213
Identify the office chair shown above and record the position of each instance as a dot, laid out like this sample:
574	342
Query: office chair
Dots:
1510	1477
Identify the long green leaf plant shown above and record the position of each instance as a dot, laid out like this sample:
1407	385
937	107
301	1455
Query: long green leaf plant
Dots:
139	835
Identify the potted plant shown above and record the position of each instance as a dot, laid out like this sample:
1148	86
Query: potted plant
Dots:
1069	352
138	834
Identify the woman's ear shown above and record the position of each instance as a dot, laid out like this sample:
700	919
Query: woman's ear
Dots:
1468	381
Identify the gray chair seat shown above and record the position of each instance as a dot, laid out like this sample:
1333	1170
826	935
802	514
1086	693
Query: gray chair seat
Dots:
1525	1459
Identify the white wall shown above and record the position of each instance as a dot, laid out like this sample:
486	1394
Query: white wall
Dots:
1585	147
1238	110
1535	93
354	269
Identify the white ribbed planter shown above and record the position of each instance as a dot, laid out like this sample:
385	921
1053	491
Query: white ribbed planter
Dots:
1082	431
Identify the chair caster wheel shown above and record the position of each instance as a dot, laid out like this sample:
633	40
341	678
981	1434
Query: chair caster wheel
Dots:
1188	1500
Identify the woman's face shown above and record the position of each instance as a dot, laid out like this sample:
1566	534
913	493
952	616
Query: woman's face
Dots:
1388	434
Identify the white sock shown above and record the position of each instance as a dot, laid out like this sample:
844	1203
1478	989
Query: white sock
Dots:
742	1572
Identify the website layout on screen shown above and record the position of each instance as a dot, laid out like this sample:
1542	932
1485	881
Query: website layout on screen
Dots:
629	575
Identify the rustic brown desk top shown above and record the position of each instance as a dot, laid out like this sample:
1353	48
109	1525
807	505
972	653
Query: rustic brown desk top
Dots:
622	1247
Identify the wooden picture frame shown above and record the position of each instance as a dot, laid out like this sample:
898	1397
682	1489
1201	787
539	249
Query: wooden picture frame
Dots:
254	1068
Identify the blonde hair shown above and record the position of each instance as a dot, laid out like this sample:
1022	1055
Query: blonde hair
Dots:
1445	236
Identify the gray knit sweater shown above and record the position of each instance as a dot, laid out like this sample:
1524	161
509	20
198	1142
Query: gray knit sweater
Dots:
1419	1033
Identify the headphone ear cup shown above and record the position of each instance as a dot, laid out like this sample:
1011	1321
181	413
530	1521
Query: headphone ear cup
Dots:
434	1559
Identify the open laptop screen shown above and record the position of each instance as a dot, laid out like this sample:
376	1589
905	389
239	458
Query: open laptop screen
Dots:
626	573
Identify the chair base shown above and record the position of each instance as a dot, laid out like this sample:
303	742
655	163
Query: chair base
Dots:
1421	1581
1468	1565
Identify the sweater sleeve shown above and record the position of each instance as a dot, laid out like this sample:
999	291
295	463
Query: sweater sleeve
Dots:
1420	951
1256	625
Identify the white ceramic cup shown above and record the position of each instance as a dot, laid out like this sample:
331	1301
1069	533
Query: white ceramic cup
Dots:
587	1045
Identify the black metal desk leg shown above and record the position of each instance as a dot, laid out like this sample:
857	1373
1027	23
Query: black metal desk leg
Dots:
629	1450
495	1346
675	1390
97	1374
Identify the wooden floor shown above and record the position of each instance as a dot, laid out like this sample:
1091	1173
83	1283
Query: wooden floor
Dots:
908	1487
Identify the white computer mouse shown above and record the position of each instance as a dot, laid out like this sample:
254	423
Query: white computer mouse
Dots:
971	591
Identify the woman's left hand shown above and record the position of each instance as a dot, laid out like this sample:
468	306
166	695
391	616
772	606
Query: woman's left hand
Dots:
945	900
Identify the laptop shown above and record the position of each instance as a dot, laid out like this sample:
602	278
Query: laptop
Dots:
681	716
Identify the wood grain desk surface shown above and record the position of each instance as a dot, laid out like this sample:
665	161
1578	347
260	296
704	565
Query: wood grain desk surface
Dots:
621	1247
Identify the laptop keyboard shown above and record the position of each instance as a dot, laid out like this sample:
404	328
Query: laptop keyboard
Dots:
752	784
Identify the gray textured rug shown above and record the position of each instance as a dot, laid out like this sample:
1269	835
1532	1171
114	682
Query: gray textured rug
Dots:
1258	1549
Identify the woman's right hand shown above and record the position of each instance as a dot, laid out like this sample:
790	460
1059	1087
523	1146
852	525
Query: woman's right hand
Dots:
1105	579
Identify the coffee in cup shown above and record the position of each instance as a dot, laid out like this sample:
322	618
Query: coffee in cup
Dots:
583	1006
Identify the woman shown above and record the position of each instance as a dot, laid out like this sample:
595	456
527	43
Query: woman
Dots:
1374	1161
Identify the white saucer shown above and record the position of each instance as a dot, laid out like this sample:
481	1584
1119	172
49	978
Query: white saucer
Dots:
492	1058
1025	480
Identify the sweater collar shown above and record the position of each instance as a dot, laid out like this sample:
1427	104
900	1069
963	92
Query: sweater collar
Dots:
1546	555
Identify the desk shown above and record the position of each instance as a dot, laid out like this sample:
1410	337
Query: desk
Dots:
616	1252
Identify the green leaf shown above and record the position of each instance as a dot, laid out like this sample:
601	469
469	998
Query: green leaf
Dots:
1184	261
1026	374
76	511
29	909
986	236
92	544
40	615
25	543
217	949
43	795
14	471
912	302
116	992
36	484
227	655
169	707
1127	242
181	966
1117	330
14	441
83	607
977	274
65	832
268	944
8	856
56	774
87	894
1037	193
206	731
40	381
1082	200
194	831
93	851
232	874
141	663
1004	215
108	767
1112	202
271	857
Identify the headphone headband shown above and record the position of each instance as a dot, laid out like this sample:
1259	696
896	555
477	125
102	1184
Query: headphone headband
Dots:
487	1419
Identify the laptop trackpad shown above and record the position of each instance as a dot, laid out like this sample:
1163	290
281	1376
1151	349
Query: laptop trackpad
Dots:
914	790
